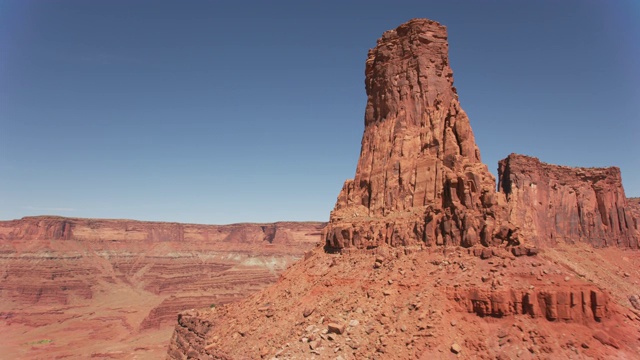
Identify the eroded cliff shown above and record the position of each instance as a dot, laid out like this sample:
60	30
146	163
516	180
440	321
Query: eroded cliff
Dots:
634	209
552	203
419	179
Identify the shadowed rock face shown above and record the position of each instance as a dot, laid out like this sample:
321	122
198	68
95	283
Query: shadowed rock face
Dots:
581	303
634	209
419	178
553	203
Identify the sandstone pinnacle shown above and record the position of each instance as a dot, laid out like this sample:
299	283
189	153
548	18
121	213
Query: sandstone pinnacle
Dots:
419	178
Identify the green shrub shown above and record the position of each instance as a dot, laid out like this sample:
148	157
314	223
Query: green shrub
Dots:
41	342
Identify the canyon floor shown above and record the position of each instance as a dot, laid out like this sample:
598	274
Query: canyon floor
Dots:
432	303
85	288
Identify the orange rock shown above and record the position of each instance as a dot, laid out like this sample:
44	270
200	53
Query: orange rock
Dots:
336	328
59	272
552	203
419	179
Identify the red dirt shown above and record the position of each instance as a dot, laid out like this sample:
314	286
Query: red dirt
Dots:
419	304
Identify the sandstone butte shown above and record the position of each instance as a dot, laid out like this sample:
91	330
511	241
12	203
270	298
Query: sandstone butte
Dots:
80	288
424	259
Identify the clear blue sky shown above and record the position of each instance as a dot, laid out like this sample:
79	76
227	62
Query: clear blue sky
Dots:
233	111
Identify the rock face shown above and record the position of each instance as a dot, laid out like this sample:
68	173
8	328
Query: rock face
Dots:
554	204
634	209
124	281
419	178
582	304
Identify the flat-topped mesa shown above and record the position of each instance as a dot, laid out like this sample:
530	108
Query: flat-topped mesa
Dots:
419	179
554	203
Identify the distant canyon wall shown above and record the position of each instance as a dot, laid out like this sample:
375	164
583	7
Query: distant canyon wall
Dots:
133	276
107	233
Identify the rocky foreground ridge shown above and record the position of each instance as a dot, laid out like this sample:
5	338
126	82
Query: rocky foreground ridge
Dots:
424	258
123	281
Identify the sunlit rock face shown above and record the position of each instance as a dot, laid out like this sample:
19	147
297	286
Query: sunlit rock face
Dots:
552	203
419	179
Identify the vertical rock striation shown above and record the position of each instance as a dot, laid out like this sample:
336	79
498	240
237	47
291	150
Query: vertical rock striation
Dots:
552	203
419	178
634	209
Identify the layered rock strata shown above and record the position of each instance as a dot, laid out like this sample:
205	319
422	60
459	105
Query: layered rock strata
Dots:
419	179
581	304
106	233
124	281
552	203
53	260
634	209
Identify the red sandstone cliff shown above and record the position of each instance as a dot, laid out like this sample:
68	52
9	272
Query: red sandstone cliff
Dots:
634	209
108	232
552	203
419	179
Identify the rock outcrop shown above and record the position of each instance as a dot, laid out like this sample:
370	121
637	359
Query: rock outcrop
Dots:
420	185
582	304
127	280
419	179
634	209
552	203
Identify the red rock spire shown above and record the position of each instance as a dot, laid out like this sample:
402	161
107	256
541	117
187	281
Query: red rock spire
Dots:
419	177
